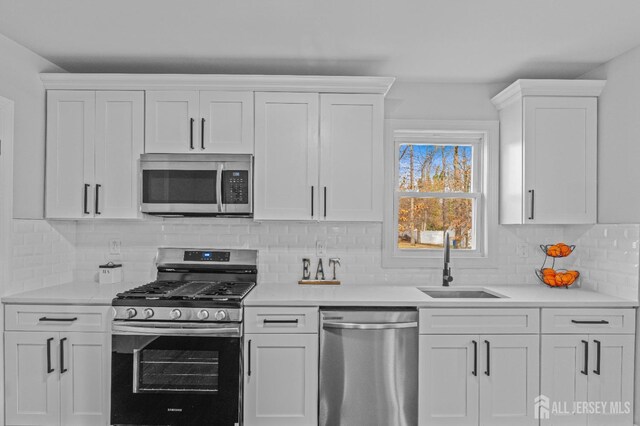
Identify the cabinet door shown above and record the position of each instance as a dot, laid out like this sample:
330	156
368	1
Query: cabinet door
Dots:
448	380
226	122
119	142
611	373
560	138
70	154
563	378
281	380
286	156
351	167
509	379
84	378
32	395
171	122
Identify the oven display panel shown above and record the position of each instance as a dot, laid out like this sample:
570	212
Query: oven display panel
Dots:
207	256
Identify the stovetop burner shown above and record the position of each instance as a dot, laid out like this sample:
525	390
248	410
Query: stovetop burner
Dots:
189	290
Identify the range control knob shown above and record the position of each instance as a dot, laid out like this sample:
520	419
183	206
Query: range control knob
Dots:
175	314
220	315
203	314
130	312
147	313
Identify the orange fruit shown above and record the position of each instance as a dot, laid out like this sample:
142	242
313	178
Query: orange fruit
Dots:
548	271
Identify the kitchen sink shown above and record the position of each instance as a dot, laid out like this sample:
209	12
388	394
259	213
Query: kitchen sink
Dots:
460	294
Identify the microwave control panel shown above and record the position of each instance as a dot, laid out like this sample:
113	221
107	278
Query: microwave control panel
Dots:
235	186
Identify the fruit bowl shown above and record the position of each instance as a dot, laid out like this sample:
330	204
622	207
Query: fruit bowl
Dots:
557	278
557	250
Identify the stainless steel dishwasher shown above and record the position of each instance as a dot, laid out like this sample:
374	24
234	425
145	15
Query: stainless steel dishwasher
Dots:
369	367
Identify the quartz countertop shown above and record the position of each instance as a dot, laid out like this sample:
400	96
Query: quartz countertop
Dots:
536	296
74	293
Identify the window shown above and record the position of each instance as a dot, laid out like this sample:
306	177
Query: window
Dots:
439	182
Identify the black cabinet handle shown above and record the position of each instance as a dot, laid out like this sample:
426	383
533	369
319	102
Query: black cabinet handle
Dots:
49	369
98	198
311	200
475	358
58	319
598	347
86	196
533	200
191	132
268	321
325	201
488	370
249	358
202	133
586	358
590	322
62	369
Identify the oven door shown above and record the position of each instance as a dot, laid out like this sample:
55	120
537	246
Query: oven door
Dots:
175	376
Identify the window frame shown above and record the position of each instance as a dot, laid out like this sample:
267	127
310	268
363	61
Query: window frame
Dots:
483	136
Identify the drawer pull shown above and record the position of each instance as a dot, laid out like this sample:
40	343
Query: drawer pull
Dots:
590	322
268	321
43	319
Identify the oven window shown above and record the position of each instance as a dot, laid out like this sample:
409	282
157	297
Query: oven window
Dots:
179	186
173	370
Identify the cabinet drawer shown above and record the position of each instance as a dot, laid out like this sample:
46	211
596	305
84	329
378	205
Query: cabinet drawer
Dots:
479	321
281	320
57	318
600	321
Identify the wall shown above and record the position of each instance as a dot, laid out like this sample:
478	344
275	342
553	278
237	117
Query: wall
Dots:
619	139
20	82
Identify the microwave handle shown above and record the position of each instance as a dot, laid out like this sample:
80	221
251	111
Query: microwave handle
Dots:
219	187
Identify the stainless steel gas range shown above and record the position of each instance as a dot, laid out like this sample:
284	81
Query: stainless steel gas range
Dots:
177	341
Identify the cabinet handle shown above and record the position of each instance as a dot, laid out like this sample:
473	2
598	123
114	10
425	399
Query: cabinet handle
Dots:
590	322
86	196
58	319
98	198
62	369
192	120
49	369
488	371
249	358
312	201
325	201
598	347
533	200
268	321
586	358
202	133
475	358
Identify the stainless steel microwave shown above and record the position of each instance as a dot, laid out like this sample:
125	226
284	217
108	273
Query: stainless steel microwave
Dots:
197	184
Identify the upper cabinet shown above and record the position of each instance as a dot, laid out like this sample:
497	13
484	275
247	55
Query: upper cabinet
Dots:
94	141
199	122
318	156
548	151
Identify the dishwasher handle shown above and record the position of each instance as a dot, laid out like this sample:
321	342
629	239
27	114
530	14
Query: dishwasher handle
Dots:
370	326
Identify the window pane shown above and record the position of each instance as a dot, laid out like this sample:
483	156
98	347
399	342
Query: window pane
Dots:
422	222
435	168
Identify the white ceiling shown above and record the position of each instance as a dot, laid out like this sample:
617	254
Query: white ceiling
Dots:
425	40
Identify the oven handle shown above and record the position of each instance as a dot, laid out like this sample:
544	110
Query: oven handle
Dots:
132	329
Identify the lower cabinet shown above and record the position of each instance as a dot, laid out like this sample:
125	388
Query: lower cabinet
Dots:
467	380
281	380
56	378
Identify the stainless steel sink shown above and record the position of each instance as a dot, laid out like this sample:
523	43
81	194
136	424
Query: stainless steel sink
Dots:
460	294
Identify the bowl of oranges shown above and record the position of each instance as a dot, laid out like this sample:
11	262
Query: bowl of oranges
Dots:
557	250
557	278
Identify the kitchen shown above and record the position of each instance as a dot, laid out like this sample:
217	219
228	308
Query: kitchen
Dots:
39	253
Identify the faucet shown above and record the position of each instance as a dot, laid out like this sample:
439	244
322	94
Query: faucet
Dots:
446	271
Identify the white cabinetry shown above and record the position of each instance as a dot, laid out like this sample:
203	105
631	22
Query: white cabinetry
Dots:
477	379
281	367
318	156
199	122
56	373
548	151
94	141
590	363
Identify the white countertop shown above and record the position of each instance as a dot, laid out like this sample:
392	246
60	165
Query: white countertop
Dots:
74	293
345	295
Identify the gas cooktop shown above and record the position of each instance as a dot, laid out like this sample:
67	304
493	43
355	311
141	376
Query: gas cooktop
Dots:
190	290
